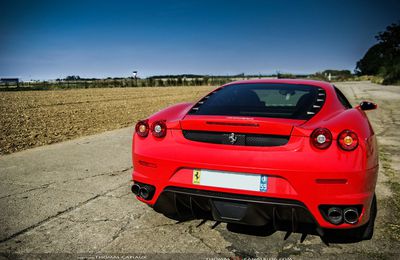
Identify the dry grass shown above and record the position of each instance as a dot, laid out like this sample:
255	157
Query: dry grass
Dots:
35	118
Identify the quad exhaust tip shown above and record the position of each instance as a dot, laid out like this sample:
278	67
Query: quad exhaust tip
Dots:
338	215
143	191
335	215
351	215
135	189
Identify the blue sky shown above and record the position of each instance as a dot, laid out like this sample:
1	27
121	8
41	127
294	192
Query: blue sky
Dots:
52	39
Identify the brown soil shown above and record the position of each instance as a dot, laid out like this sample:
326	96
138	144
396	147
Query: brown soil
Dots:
34	118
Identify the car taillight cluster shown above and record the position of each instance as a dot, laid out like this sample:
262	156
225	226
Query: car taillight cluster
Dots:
142	128
321	138
348	140
158	128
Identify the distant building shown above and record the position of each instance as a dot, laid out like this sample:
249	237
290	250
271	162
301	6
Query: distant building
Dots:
9	82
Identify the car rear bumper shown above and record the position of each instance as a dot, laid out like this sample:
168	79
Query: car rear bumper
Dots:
282	214
301	177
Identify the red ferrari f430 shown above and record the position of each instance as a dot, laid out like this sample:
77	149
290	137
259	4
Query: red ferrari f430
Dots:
289	154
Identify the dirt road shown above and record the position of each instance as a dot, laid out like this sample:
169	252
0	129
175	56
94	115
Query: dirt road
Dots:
73	197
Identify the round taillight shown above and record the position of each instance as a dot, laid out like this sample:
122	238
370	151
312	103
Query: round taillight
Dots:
348	140
142	128
321	138
159	128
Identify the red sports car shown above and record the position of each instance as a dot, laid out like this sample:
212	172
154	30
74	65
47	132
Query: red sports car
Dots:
286	153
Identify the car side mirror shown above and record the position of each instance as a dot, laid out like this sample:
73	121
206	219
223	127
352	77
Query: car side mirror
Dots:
367	105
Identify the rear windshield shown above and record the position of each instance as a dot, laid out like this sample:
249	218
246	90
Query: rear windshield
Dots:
263	100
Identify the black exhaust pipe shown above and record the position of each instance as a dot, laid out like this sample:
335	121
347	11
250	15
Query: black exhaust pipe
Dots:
146	192
135	189
350	215
335	215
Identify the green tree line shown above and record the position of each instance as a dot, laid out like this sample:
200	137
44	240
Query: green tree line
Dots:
383	58
72	82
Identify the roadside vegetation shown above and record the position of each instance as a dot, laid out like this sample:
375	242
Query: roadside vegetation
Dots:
383	59
76	82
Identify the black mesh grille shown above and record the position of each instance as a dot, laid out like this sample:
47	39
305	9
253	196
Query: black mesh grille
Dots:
236	138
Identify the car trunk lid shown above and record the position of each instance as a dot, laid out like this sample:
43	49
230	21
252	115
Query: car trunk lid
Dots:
236	124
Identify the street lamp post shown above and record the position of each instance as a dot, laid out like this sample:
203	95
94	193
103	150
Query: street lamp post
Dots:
135	77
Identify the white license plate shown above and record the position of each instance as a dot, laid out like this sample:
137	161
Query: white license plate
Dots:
230	180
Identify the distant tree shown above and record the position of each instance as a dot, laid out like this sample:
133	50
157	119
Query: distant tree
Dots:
205	80
384	57
179	82
339	73
285	76
372	61
151	82
72	78
198	82
160	83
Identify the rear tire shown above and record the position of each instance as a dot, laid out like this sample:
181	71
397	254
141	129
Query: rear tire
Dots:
368	229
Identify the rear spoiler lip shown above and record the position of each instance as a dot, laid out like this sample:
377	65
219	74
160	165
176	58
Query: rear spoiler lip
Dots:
232	124
255	125
215	118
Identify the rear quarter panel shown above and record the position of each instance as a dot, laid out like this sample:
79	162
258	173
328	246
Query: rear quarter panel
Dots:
353	119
